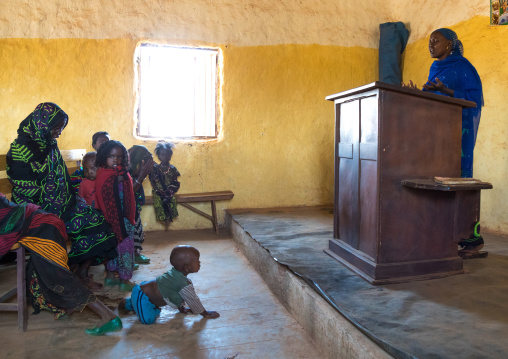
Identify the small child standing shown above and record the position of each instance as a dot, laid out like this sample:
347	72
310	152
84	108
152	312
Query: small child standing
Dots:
87	186
141	165
115	198
164	183
172	288
98	139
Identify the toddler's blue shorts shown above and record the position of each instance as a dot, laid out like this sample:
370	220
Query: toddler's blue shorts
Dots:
139	302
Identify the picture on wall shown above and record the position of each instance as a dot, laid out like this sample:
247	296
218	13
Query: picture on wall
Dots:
499	12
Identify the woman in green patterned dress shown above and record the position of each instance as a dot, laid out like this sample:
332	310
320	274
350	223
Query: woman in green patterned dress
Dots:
39	175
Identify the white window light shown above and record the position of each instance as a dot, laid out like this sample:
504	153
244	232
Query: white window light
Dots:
177	92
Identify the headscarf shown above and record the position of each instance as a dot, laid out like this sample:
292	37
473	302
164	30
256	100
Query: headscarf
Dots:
109	199
452	36
35	166
34	132
456	72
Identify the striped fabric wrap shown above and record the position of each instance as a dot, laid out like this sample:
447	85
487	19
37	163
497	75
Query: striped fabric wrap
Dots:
34	230
47	249
52	286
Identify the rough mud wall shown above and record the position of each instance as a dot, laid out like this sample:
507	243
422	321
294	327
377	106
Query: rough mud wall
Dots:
423	16
235	22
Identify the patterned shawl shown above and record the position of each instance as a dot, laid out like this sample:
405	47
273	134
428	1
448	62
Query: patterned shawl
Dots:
12	222
109	200
35	166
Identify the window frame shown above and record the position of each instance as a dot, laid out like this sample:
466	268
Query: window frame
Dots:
137	90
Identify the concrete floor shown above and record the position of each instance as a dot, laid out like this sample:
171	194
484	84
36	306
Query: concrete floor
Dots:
253	324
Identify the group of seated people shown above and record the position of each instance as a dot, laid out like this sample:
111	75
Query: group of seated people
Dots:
97	209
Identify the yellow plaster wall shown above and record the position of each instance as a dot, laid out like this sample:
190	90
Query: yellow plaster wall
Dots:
281	58
277	144
485	46
90	79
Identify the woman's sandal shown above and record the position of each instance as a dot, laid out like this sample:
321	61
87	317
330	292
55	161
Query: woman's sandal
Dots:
141	259
114	325
111	282
126	287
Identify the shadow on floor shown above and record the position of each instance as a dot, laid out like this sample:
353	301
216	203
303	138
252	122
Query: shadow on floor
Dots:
253	324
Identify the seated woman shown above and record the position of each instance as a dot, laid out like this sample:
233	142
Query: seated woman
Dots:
39	175
52	286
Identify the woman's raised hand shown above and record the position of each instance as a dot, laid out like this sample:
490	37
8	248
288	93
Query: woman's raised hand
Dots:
438	86
410	85
146	167
434	86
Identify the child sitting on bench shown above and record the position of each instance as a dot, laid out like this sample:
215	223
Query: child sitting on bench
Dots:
164	180
172	288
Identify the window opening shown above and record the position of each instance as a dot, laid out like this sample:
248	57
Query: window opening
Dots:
177	92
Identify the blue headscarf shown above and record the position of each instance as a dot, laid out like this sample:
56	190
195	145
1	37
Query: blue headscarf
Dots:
456	72
452	36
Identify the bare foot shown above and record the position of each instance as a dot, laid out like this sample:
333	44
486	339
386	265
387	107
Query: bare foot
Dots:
121	307
90	284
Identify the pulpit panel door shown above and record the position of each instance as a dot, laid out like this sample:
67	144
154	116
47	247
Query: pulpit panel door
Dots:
356	180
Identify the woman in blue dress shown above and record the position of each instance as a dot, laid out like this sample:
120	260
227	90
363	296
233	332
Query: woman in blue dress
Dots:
451	74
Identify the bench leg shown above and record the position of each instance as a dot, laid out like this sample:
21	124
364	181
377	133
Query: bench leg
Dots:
21	288
214	218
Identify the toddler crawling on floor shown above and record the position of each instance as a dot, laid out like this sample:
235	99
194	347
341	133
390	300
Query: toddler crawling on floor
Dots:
172	288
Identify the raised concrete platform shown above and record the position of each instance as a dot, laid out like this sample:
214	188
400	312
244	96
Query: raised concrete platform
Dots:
462	316
331	331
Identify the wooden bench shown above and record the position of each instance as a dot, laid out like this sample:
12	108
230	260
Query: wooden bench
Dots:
72	159
185	199
20	290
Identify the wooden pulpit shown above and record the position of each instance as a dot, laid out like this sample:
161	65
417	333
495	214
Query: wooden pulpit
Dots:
383	230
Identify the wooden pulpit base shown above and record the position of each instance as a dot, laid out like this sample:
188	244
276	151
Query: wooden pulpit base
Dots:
459	202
